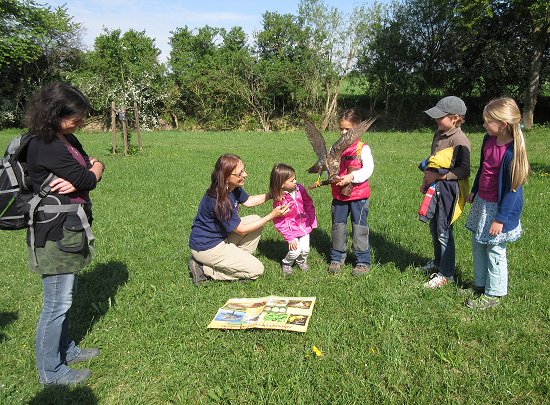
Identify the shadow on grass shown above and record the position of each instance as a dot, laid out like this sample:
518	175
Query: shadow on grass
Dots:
276	249
386	251
5	319
321	241
96	291
273	249
540	169
391	252
63	395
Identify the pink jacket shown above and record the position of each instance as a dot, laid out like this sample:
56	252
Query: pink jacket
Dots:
301	219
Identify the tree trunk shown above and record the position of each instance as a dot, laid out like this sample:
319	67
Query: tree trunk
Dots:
175	119
136	115
331	104
263	120
113	125
539	43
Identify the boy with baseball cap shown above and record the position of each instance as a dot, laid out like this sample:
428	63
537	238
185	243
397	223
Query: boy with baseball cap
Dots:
449	114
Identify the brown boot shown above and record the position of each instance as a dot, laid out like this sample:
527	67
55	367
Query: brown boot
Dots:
335	267
360	269
196	273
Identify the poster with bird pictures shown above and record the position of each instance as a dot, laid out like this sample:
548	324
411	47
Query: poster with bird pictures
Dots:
273	312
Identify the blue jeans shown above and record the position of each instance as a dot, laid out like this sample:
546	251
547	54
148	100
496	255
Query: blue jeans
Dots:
444	245
490	268
53	345
359	210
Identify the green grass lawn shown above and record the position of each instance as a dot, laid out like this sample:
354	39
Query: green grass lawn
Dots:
384	337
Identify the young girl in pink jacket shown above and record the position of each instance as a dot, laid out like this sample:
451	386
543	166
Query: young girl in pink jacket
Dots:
300	220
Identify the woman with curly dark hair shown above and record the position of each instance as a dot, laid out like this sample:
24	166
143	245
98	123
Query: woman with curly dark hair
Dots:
60	248
221	242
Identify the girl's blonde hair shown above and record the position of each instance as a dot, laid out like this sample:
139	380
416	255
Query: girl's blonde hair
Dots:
279	174
506	110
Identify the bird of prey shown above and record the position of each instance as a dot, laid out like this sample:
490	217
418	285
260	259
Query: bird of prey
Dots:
329	162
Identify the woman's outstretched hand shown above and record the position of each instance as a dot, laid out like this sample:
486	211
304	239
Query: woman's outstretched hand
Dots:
280	210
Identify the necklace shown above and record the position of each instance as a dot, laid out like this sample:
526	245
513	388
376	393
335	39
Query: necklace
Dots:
74	151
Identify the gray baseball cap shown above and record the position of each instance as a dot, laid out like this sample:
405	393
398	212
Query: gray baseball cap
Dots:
447	105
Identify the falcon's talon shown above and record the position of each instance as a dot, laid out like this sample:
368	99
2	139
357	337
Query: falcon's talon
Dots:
315	184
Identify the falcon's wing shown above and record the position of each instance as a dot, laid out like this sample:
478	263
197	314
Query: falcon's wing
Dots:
316	139
349	138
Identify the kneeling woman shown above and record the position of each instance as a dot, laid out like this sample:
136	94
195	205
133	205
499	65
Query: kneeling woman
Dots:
221	242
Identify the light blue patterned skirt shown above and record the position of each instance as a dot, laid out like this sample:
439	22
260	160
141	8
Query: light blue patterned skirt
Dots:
479	222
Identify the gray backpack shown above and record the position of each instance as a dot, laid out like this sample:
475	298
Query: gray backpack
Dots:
18	202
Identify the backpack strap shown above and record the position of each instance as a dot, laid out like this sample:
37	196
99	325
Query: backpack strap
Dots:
33	204
55	209
9	171
78	210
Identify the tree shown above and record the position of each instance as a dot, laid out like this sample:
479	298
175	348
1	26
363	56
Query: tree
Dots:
539	13
123	68
502	35
287	65
414	50
384	63
337	39
464	47
209	67
37	45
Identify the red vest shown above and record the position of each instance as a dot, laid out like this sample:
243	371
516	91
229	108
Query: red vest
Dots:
351	157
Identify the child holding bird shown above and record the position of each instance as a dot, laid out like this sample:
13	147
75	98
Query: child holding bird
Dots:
356	167
348	164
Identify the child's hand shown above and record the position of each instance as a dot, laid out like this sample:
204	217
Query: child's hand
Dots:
470	198
293	245
496	228
425	186
345	180
430	176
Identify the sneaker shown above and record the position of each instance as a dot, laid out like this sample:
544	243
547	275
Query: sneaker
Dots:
360	269
196	273
73	377
429	268
303	266
84	355
438	280
334	267
484	301
287	270
474	291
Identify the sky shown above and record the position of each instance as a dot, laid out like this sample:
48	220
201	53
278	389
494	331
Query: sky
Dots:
159	17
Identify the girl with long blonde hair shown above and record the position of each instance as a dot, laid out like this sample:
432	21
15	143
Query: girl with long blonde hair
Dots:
497	197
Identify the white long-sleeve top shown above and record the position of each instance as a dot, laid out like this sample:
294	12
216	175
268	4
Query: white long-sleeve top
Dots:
363	174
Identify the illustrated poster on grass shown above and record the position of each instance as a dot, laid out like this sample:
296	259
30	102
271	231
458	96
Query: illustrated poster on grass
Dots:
283	313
